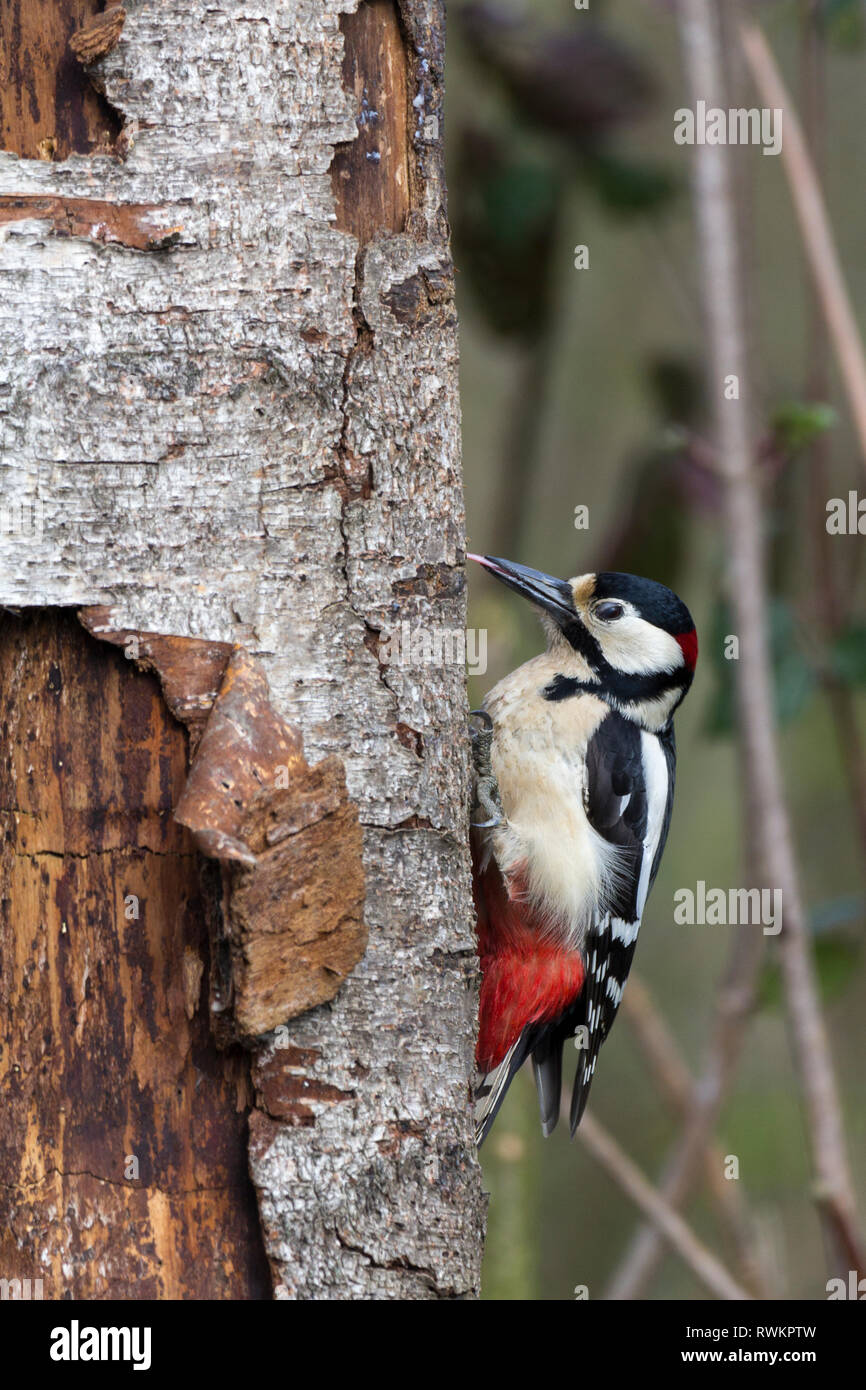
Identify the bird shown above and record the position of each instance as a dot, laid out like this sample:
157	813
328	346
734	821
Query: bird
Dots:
575	762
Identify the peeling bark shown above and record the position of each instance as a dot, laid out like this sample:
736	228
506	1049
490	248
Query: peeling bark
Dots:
291	927
250	436
190	671
290	845
97	38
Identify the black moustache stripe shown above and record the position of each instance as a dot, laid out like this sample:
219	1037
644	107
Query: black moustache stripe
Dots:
619	685
583	641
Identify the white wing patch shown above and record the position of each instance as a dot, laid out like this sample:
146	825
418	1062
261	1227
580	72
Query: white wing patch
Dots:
657	786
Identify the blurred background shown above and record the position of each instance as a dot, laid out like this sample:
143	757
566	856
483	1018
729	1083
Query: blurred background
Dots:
583	388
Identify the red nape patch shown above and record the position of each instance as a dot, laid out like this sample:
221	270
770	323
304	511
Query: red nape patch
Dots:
525	977
689	646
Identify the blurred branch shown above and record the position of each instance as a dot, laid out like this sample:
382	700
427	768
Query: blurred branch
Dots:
768	816
676	1083
814	226
520	450
730	451
680	1236
733	1006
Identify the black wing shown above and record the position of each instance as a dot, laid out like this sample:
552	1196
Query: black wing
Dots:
628	801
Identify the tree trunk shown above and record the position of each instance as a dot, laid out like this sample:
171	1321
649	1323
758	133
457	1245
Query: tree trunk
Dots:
229	414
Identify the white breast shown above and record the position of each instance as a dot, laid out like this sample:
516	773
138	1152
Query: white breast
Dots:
538	759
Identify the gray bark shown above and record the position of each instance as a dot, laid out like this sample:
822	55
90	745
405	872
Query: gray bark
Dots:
193	420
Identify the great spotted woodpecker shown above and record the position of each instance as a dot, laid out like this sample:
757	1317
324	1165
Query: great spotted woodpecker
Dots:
575	778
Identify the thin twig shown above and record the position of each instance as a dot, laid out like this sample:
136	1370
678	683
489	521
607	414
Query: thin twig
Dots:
679	1235
736	996
814	226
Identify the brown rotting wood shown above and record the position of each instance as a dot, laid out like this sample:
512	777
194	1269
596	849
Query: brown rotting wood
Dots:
124	224
49	106
370	176
106	1051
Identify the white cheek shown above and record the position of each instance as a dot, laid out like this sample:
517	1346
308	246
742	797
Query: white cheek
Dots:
633	646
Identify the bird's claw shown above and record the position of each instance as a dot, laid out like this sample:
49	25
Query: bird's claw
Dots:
487	797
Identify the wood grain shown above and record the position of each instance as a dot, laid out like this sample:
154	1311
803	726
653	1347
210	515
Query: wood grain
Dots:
105	1049
121	224
49	107
370	175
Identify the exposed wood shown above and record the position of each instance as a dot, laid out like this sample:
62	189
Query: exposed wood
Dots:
284	1090
190	671
370	174
291	925
106	1052
49	107
124	224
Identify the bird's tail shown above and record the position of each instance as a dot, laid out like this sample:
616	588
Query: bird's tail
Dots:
491	1087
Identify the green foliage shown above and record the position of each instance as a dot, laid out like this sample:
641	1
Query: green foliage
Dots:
627	188
797	424
676	388
519	199
848	655
506	208
844	23
836	960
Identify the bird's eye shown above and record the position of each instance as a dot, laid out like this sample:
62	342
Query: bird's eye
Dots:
608	612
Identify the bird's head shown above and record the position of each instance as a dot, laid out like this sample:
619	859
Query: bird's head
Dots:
635	636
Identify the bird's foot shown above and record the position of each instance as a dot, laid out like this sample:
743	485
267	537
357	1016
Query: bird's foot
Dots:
487	798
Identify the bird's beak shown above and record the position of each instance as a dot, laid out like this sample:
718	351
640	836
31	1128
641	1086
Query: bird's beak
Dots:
553	595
